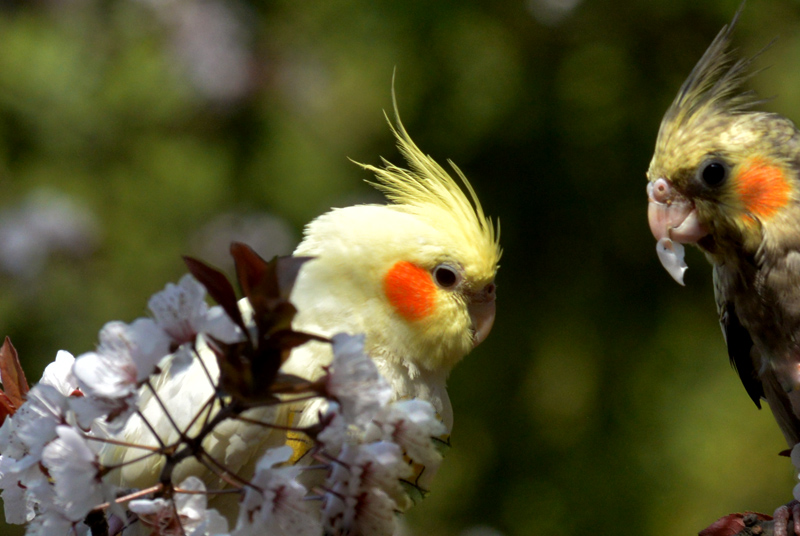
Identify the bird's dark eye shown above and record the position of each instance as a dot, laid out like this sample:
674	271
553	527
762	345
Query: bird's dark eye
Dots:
446	276
713	173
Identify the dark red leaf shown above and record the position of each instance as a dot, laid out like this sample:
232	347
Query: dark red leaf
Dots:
6	408
733	524
249	370
263	369
252	271
273	316
259	285
267	286
287	271
219	288
11	374
288	339
729	525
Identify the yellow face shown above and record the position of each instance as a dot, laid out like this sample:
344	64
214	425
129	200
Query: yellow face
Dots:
722	175
453	313
421	293
729	171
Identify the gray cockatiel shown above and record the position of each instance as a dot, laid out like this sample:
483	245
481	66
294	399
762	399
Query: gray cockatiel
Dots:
726	178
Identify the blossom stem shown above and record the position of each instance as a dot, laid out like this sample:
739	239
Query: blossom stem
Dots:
177	516
205	368
269	425
109	468
193	445
326	491
129	497
164	408
206	492
150	427
122	443
286	401
223	472
315	467
205	410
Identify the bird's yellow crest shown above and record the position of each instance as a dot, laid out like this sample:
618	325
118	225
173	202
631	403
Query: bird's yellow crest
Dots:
712	122
707	102
428	191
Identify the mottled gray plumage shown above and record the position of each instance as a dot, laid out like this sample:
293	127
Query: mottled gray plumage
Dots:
736	172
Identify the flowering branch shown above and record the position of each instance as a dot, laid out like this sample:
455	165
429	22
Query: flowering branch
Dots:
133	433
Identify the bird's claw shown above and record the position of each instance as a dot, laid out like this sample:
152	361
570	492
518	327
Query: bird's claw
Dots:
786	517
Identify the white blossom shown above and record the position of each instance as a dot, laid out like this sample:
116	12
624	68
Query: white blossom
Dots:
412	424
110	377
338	511
18	505
51	476
102	414
181	311
371	513
24	434
105	375
795	457
52	523
73	466
22	440
219	325
362	489
144	342
92	410
336	432
354	380
375	514
275	505
191	504
25	488
59	374
126	356
382	466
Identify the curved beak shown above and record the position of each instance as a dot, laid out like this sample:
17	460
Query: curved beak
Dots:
482	307
673	221
671	215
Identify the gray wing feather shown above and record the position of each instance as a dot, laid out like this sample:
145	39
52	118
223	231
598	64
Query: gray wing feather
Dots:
739	342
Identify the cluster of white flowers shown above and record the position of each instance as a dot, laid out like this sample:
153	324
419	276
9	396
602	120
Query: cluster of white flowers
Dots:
52	475
795	456
371	444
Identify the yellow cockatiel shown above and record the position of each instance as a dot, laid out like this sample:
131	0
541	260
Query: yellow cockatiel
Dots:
415	277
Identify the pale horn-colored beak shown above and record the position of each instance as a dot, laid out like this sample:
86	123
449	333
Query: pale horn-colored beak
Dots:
673	221
482	308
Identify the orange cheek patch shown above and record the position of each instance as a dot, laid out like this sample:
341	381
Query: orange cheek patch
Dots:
410	290
763	189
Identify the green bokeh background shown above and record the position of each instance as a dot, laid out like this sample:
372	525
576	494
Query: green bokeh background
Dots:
603	402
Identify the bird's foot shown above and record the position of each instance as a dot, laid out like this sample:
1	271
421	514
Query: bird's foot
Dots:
787	519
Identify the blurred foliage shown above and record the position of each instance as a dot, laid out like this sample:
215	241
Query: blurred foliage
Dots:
602	403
